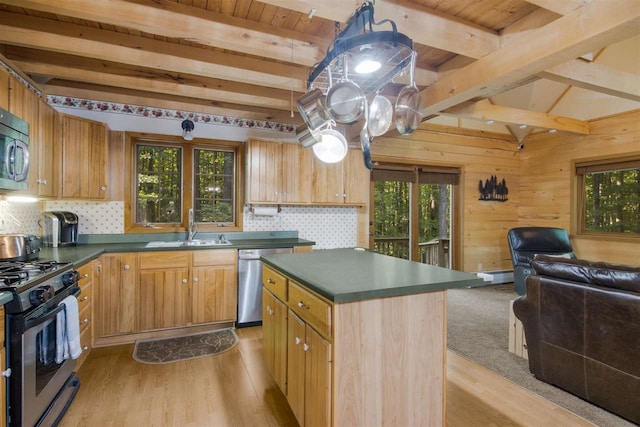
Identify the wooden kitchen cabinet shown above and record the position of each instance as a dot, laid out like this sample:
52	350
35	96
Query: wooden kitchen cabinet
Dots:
274	332
84	159
4	90
346	182
278	172
164	290
85	310
3	378
309	373
214	290
50	142
357	179
327	182
115	294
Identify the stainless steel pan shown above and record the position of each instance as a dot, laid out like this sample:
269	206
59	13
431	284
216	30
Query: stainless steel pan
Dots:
409	105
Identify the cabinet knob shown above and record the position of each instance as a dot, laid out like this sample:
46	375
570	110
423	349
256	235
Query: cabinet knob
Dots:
126	267
269	280
84	298
284	193
85	320
298	340
85	275
85	348
6	373
195	280
276	193
305	347
301	304
43	181
103	188
184	280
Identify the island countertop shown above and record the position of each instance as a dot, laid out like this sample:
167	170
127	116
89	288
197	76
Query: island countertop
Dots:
347	275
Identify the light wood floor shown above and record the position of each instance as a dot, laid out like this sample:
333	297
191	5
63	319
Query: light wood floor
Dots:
235	389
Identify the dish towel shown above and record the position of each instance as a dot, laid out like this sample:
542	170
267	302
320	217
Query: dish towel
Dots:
68	331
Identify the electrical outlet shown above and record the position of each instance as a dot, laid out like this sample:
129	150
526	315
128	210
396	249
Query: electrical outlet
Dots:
479	266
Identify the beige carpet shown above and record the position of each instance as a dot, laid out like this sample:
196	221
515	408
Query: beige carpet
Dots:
477	328
170	350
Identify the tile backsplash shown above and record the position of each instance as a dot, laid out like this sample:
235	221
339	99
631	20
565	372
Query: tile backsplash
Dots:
93	217
19	218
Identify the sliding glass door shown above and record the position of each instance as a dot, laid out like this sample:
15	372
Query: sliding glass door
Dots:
411	213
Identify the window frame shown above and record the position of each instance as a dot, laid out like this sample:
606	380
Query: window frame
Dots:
578	218
132	139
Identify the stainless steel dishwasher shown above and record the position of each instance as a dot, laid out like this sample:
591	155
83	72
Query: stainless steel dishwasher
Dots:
250	284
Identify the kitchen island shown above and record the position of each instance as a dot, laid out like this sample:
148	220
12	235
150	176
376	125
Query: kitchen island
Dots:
355	338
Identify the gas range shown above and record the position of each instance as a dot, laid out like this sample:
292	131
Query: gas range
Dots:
35	282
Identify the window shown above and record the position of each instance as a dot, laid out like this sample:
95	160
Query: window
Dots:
170	176
609	196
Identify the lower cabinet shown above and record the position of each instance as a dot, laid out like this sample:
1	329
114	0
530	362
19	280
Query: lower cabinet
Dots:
5	373
308	374
115	294
274	330
85	310
214	289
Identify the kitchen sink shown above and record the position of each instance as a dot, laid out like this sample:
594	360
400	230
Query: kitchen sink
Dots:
179	243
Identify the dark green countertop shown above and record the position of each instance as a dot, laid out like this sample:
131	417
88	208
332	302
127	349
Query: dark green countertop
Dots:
84	253
346	275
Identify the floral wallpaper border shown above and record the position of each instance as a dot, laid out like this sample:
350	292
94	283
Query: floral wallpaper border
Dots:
164	113
31	87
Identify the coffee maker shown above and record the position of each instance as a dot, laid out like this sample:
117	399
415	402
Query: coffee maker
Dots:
59	228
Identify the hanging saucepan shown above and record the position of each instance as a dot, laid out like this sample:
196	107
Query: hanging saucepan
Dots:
305	136
345	102
312	108
380	115
409	105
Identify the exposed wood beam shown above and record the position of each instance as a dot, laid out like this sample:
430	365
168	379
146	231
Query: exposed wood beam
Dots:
563	7
593	26
171	19
156	100
596	77
425	26
484	111
281	102
21	30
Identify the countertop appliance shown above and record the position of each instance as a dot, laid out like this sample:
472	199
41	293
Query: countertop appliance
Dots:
14	149
250	284
39	389
59	228
19	247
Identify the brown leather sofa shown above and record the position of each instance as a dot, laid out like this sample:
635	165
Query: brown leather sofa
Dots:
581	321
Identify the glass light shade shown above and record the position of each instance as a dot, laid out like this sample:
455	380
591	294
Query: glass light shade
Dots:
332	147
187	135
367	66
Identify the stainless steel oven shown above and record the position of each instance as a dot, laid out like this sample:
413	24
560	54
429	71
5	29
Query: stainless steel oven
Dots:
42	384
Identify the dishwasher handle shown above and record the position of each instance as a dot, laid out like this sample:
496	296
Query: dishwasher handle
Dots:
248	255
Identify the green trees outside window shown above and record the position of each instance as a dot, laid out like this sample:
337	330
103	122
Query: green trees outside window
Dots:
214	186
158	189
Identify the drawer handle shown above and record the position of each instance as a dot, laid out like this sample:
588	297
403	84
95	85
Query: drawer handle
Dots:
269	280
301	304
85	275
85	348
85	320
298	340
84	298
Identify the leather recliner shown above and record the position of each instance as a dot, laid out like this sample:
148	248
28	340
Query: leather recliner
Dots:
526	242
581	321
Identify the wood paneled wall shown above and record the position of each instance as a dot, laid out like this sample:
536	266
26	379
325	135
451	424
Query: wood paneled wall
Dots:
479	155
547	181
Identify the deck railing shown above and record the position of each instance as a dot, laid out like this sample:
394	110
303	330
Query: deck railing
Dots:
433	252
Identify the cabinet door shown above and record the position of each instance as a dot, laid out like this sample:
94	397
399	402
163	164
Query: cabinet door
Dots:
24	104
317	389
327	182
274	329
268	328
98	149
214	294
4	90
115	295
263	171
296	366
356	179
49	153
297	171
164	298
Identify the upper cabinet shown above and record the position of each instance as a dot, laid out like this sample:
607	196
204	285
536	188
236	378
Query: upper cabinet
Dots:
286	173
84	159
278	172
50	142
4	89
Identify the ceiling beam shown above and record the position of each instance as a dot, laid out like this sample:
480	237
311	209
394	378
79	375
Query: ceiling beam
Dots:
596	77
484	111
425	26
595	25
281	102
22	30
563	7
171	19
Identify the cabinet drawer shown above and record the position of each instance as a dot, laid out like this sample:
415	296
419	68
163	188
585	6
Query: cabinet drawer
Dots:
310	308
84	317
84	299
215	257
85	340
275	282
86	274
160	260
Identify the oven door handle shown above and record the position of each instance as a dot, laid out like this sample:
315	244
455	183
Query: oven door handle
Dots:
41	319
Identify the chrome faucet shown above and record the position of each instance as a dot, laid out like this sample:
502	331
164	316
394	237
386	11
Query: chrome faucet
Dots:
193	228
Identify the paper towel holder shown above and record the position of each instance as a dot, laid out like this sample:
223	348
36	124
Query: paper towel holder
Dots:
251	209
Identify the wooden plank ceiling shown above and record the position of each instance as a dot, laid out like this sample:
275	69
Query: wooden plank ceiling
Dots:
250	58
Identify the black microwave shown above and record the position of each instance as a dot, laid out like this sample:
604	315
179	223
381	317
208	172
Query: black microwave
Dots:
14	149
